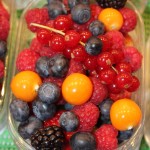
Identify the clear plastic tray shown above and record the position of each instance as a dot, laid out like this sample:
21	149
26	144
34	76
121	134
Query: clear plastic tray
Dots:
10	6
23	38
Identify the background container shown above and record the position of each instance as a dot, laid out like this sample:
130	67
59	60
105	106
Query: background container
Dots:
23	39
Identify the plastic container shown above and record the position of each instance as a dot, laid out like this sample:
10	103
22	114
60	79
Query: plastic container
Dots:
23	39
10	6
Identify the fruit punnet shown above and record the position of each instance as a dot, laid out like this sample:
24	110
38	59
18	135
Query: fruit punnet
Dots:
77	76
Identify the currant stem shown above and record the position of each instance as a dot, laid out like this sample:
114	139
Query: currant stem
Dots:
53	30
114	69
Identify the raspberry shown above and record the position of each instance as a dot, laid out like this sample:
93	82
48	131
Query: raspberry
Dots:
4	28
36	15
26	60
36	45
88	114
75	67
54	120
100	91
116	38
1	69
130	19
106	137
4	12
133	56
95	10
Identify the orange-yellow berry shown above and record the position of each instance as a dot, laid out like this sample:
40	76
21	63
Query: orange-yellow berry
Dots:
111	18
25	85
125	114
77	88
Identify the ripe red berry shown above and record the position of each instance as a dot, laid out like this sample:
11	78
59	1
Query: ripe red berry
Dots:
113	88
91	62
123	67
85	35
67	52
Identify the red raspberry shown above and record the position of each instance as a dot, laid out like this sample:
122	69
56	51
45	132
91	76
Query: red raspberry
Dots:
26	60
88	114
36	15
95	10
130	19
106	137
1	69
4	12
75	67
54	120
36	45
4	28
116	38
100	91
133	56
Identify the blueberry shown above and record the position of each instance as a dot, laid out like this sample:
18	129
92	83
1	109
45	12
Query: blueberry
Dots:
59	65
26	129
49	92
105	106
56	8
83	141
19	110
81	13
93	46
96	27
42	66
68	106
124	135
87	2
3	49
42	110
69	121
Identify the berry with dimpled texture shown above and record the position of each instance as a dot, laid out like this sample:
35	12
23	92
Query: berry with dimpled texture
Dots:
3	11
59	65
106	137
93	46
26	60
81	13
3	49
95	10
116	38
42	66
133	56
96	27
35	45
69	121
36	15
4	28
49	92
27	128
82	141
75	67
130	19
19	110
100	91
56	8
88	115
1	69
42	110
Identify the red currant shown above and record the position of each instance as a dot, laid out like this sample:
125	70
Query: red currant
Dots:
124	80
63	22
79	53
50	23
90	62
105	60
123	67
85	35
72	38
135	84
67	52
44	36
107	76
57	43
112	88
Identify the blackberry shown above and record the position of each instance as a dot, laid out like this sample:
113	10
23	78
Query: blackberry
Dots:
50	138
117	4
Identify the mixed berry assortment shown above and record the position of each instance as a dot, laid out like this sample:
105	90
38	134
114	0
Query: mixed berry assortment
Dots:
4	31
74	83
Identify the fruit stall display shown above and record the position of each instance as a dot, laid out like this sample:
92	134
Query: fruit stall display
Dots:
77	79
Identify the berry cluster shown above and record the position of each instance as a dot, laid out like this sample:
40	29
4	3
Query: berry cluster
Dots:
75	80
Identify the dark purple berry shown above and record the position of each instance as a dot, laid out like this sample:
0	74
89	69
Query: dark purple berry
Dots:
3	49
69	121
42	110
49	92
72	3
68	106
27	128
19	110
